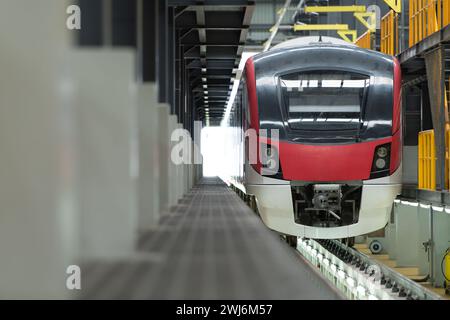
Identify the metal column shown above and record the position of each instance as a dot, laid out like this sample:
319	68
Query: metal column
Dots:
163	69
435	63
171	60
147	41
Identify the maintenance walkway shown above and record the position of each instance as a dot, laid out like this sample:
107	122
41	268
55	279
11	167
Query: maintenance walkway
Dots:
210	246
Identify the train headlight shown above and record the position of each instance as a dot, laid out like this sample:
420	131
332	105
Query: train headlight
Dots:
381	161
382	152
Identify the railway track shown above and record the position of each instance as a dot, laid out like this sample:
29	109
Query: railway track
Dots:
357	276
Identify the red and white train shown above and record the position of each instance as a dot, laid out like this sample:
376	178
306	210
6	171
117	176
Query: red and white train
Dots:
329	116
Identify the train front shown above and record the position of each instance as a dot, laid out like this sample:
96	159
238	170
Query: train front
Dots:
330	115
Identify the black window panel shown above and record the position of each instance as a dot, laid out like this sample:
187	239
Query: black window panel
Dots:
124	23
90	33
324	100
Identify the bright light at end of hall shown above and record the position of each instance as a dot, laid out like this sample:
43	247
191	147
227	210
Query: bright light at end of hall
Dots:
212	149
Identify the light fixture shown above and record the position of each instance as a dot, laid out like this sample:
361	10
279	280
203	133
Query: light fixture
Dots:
447	210
438	208
361	290
396	200
425	206
409	203
380	163
350	282
333	268
382	152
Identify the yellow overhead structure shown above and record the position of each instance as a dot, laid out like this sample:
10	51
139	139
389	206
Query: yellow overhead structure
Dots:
321	9
318	27
395	5
346	33
370	23
360	13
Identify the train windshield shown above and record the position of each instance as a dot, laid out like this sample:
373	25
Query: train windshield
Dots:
324	100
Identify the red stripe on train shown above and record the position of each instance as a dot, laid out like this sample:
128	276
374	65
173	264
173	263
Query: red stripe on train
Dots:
251	90
396	146
252	103
397	103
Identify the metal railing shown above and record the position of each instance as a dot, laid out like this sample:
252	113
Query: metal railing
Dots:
358	276
427	17
389	33
365	40
427	160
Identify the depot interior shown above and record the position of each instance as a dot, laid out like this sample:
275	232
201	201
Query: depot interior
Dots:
87	121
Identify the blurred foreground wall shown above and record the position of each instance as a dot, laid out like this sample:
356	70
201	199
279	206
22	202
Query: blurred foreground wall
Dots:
84	148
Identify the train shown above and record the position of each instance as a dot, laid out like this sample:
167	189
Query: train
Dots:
314	134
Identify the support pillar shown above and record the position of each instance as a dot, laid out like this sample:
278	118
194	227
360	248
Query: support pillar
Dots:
435	66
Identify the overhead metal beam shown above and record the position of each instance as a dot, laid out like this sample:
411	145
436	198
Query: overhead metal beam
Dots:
345	34
212	36
212	64
318	27
214	52
395	5
180	11
371	23
222	3
215	19
274	29
326	9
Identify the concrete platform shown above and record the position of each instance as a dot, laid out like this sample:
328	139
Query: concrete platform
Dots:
211	246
